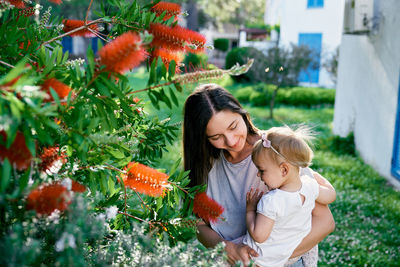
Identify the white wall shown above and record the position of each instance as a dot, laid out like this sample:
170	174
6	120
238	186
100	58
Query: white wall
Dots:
367	89
297	18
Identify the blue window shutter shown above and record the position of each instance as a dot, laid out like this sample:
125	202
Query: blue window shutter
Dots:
396	142
67	44
315	3
314	42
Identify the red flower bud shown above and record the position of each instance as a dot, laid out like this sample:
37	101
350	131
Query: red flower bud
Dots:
18	154
122	54
50	158
47	198
171	9
61	89
71	24
207	208
146	180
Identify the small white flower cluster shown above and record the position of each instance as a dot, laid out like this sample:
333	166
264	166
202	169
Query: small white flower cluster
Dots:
111	212
30	91
76	62
66	239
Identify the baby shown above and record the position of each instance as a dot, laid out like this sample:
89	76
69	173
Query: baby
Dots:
278	220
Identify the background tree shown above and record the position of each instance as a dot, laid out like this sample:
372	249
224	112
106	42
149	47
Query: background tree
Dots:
284	66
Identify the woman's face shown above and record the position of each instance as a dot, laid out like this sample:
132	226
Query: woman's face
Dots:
227	130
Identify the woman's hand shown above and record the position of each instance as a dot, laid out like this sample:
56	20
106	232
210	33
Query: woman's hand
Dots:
239	252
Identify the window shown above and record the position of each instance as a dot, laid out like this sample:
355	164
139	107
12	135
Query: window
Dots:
315	3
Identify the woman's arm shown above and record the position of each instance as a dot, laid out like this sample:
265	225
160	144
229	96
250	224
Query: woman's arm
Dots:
322	225
235	252
327	193
207	236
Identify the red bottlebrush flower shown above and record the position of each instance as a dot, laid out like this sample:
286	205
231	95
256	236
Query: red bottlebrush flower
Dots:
146	180
207	208
57	2
197	42
61	89
17	3
167	56
177	38
47	198
70	24
122	54
77	187
52	160
171	9
18	154
172	38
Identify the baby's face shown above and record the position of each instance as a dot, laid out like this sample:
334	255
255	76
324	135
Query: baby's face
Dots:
269	172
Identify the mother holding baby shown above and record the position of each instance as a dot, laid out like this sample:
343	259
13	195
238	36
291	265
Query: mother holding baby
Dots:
218	137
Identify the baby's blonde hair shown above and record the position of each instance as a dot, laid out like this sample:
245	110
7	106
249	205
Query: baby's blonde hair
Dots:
291	145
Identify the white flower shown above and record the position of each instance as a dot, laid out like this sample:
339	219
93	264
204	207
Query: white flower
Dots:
60	244
67	183
111	212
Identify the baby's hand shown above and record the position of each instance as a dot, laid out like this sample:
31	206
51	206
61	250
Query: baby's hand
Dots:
252	198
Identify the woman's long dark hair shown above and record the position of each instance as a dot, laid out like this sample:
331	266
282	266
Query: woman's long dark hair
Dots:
200	106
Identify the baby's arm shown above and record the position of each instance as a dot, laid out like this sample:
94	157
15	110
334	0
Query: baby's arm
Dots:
258	225
327	193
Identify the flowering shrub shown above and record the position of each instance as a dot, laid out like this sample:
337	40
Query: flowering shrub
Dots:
78	182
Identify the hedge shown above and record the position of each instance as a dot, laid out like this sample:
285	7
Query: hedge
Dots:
260	95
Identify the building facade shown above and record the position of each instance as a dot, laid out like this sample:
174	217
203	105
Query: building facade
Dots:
315	23
367	94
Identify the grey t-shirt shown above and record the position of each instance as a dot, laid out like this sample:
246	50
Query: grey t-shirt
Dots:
228	184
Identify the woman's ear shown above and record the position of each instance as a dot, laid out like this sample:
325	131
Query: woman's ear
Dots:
284	167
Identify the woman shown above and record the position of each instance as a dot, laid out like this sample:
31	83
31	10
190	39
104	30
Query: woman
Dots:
218	137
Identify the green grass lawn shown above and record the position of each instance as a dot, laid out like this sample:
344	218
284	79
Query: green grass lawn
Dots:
367	209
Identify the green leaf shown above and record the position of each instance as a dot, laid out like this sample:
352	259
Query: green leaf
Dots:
153	72
159	203
90	59
11	134
6	175
23	180
165	98
115	153
173	97
163	71
55	96
66	55
59	55
176	197
14	72
171	70
99	44
111	200
175	166
178	87
30	143
69	151
153	100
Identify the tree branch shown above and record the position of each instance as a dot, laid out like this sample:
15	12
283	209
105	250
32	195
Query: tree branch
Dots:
87	12
152	87
72	31
8	65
